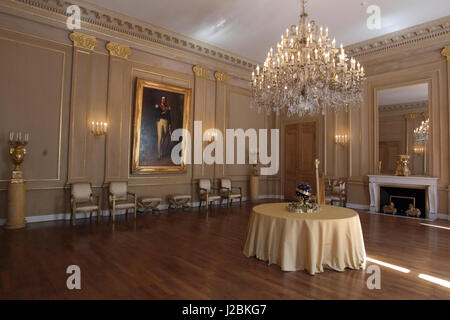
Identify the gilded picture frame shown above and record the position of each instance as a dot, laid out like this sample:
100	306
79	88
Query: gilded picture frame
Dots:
159	109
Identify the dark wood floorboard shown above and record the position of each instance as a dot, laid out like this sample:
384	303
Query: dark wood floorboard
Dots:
194	255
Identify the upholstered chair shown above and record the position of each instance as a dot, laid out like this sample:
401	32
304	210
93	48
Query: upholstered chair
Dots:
83	200
228	192
120	198
206	192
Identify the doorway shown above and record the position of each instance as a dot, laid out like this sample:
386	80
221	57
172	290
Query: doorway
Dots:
300	151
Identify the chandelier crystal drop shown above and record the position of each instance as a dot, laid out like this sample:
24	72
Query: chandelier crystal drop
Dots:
307	73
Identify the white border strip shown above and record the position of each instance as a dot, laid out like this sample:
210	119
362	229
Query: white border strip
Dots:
66	216
357	206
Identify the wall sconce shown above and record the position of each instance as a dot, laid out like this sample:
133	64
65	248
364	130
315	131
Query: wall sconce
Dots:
341	140
419	149
99	128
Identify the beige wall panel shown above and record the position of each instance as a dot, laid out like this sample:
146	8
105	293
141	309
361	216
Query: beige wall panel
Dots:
79	132
358	193
156	62
95	157
209	121
198	106
31	96
341	152
56	201
241	116
118	110
355	141
222	115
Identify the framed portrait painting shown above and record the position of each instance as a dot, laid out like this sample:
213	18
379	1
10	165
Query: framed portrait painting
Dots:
159	110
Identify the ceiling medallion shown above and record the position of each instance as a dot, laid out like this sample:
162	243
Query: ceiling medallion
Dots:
307	73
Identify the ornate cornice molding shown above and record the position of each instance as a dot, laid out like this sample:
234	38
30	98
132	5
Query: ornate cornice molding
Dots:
83	41
411	116
446	52
221	76
426	31
201	71
118	50
128	26
403	106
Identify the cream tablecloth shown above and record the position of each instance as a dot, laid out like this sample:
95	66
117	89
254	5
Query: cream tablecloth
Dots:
331	238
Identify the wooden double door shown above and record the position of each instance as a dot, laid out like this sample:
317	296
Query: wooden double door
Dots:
300	154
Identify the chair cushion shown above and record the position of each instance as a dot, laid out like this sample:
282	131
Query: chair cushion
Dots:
81	191
225	183
124	204
118	189
235	195
86	207
214	198
180	197
144	200
205	184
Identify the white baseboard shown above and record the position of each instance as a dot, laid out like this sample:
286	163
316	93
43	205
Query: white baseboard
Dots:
67	216
63	216
357	206
272	196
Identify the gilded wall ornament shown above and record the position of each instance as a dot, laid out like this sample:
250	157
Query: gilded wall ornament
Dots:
200	71
446	52
83	41
221	76
118	50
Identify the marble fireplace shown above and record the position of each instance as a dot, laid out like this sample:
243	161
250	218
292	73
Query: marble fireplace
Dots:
429	184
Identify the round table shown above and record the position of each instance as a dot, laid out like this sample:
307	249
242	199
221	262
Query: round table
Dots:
331	238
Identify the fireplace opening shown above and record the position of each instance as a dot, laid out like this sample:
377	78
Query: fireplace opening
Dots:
403	201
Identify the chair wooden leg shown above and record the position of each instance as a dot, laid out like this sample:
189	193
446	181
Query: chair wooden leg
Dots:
114	213
73	218
240	202
134	212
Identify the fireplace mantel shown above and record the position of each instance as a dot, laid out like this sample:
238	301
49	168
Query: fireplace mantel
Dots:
430	183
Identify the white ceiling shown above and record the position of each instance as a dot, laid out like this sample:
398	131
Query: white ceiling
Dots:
251	27
413	93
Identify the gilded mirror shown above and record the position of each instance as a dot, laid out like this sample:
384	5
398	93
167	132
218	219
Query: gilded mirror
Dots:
403	120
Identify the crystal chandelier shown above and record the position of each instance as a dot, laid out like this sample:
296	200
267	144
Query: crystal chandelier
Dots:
422	133
307	73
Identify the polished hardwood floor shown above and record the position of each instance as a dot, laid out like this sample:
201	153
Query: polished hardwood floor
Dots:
193	254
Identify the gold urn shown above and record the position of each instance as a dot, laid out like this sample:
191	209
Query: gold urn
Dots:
402	165
17	188
17	152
